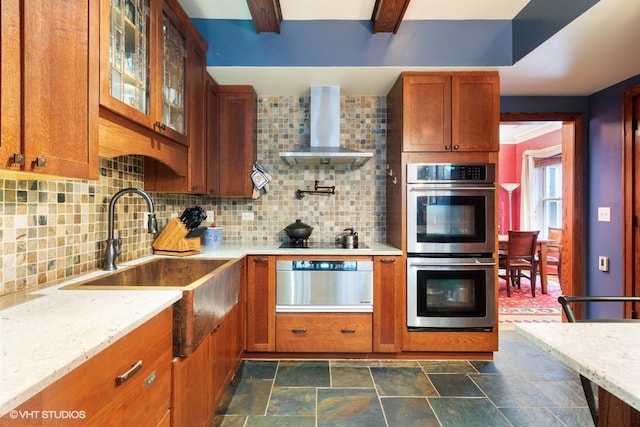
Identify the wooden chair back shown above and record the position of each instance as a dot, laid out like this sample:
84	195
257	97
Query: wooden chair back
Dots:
522	244
555	234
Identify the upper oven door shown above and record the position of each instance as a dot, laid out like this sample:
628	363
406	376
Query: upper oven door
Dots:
447	218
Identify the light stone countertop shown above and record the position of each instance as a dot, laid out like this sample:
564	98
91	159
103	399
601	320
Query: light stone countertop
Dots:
239	249
55	331
48	332
606	353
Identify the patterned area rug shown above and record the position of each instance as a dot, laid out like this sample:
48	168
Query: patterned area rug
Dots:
521	301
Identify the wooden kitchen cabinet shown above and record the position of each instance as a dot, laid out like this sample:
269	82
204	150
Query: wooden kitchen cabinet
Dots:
446	111
388	274
49	80
191	387
233	156
96	394
150	86
261	304
157	175
143	52
324	332
200	379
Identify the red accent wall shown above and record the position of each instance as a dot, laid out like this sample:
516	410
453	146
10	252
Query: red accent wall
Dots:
510	170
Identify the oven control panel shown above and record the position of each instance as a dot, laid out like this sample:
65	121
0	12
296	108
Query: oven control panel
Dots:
439	172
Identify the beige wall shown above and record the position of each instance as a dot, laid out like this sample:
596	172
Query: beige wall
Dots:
52	230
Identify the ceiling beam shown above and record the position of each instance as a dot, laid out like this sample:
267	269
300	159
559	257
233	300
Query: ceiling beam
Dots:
387	15
266	15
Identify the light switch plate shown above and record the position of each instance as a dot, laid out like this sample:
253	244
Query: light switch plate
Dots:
247	216
603	263
604	214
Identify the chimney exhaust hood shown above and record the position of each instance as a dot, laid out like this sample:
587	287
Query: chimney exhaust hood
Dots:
325	134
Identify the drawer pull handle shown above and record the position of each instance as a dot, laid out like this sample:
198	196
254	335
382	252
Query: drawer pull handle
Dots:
348	331
387	261
298	330
121	379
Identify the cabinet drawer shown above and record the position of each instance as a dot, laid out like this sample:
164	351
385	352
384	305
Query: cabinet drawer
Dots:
90	396
324	332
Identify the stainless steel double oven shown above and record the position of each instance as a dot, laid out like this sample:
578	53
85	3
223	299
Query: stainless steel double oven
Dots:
450	245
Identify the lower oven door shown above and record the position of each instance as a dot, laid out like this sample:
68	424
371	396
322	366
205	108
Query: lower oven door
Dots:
451	293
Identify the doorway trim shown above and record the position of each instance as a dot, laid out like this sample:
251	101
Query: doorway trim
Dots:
572	195
631	197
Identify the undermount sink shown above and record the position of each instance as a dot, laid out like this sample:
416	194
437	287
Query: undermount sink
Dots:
210	289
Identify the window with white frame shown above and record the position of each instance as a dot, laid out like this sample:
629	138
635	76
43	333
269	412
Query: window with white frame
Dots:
550	193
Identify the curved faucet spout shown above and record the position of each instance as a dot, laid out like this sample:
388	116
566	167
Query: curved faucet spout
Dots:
112	250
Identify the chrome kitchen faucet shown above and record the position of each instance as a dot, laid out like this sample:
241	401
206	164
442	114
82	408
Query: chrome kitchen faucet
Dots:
112	251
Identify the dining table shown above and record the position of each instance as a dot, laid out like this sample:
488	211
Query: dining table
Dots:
607	354
541	248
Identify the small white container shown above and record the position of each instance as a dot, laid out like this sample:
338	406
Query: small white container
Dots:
212	236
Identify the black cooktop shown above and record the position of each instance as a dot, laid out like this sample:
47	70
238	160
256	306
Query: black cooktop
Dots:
306	244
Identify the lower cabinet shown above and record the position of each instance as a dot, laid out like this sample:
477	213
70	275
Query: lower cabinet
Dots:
128	383
324	332
190	397
199	380
261	303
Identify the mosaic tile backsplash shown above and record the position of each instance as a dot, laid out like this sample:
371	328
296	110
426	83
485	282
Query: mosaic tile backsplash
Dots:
53	230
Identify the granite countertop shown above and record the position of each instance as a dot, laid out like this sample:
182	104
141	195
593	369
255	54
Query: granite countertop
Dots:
48	332
606	353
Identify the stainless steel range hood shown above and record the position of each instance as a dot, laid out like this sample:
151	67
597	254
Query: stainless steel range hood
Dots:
325	146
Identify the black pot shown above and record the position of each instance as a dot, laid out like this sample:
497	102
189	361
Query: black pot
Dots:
298	230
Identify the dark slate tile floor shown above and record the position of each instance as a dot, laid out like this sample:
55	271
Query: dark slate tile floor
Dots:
521	387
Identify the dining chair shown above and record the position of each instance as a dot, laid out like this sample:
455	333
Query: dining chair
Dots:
520	256
554	250
566	303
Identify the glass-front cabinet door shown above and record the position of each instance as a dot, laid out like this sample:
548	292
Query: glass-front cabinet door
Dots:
173	76
125	58
129	53
142	65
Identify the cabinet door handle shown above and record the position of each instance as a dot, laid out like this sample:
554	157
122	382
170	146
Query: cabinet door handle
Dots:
388	261
348	331
121	379
447	147
298	330
41	162
456	147
260	260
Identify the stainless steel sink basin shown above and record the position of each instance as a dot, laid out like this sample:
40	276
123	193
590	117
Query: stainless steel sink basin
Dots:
157	273
210	289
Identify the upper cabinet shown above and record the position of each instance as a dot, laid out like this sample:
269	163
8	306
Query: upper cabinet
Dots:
157	175
233	154
49	79
437	112
143	49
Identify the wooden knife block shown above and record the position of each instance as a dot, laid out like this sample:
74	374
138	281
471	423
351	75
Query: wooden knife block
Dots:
173	240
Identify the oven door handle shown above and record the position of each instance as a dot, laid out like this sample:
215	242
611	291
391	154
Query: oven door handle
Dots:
448	188
453	264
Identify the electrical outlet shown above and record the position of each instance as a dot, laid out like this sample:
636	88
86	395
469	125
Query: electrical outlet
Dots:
247	216
145	219
603	263
604	214
211	217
